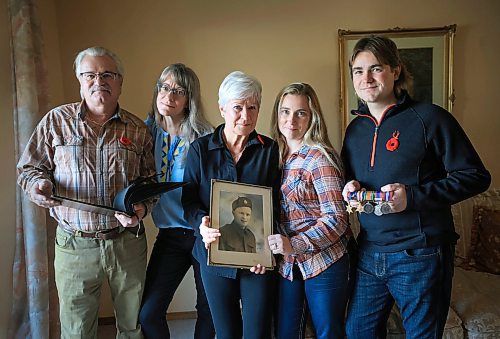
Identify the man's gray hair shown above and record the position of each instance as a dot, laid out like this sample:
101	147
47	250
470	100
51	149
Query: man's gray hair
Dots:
238	85
97	51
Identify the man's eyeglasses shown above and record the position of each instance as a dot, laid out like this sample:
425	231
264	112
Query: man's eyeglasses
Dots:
165	89
106	76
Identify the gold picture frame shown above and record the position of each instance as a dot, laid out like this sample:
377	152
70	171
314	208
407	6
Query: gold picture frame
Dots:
431	49
243	242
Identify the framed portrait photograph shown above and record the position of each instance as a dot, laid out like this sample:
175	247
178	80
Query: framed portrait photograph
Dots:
426	52
243	214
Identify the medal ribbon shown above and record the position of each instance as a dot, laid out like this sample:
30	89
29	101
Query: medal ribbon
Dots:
370	196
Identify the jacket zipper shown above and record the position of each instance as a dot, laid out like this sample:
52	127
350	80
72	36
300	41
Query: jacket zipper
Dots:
374	145
375	133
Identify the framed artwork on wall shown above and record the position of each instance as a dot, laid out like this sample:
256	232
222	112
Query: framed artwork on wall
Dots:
243	214
426	52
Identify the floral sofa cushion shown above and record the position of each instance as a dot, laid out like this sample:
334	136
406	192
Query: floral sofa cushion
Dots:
476	300
476	294
465	218
487	249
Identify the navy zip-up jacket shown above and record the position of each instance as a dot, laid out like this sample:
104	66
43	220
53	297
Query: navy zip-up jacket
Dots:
208	158
433	158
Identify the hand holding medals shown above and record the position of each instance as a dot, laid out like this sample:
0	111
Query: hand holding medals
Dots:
369	202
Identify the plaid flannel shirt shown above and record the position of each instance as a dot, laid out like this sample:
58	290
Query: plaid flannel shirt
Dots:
84	165
313	214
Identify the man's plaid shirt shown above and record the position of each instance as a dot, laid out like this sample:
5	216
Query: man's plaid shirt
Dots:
87	165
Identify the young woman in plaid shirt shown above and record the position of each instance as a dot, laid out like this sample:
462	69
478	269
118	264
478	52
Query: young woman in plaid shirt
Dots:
314	266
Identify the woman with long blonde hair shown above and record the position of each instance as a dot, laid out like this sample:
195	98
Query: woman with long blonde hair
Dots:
314	266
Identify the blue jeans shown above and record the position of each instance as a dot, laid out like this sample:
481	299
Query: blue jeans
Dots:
325	295
256	291
418	280
170	260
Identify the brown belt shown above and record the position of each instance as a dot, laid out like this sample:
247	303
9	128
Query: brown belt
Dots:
110	234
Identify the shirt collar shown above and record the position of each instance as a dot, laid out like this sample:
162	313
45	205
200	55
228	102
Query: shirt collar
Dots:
301	152
217	140
304	149
82	111
402	101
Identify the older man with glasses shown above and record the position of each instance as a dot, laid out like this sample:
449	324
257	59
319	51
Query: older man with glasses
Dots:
89	151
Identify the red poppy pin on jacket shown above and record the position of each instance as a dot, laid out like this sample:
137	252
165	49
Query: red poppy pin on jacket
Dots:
393	143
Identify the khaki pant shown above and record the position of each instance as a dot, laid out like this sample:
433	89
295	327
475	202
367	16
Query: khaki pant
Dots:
81	266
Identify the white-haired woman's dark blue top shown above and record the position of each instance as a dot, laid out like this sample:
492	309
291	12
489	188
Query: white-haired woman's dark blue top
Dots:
208	158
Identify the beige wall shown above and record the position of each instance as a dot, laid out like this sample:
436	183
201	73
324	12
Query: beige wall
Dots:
278	41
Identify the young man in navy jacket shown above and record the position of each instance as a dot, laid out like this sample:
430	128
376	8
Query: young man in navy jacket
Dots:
419	152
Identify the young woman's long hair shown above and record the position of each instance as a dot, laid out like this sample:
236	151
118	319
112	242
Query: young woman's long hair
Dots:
316	134
194	123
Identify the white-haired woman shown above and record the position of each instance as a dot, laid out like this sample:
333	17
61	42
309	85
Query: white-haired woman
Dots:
234	152
175	121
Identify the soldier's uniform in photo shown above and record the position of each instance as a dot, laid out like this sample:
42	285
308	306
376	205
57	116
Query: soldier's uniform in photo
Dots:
236	237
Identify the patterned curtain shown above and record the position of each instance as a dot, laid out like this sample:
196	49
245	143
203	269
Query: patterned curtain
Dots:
34	311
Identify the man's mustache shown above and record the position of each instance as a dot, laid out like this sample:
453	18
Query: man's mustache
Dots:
101	88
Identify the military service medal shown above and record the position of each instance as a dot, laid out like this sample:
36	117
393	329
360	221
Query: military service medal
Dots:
369	202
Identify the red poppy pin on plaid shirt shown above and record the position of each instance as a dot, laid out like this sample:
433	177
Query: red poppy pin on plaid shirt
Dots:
125	141
393	143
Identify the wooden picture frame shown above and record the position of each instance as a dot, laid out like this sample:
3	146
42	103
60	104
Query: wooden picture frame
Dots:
244	215
430	50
